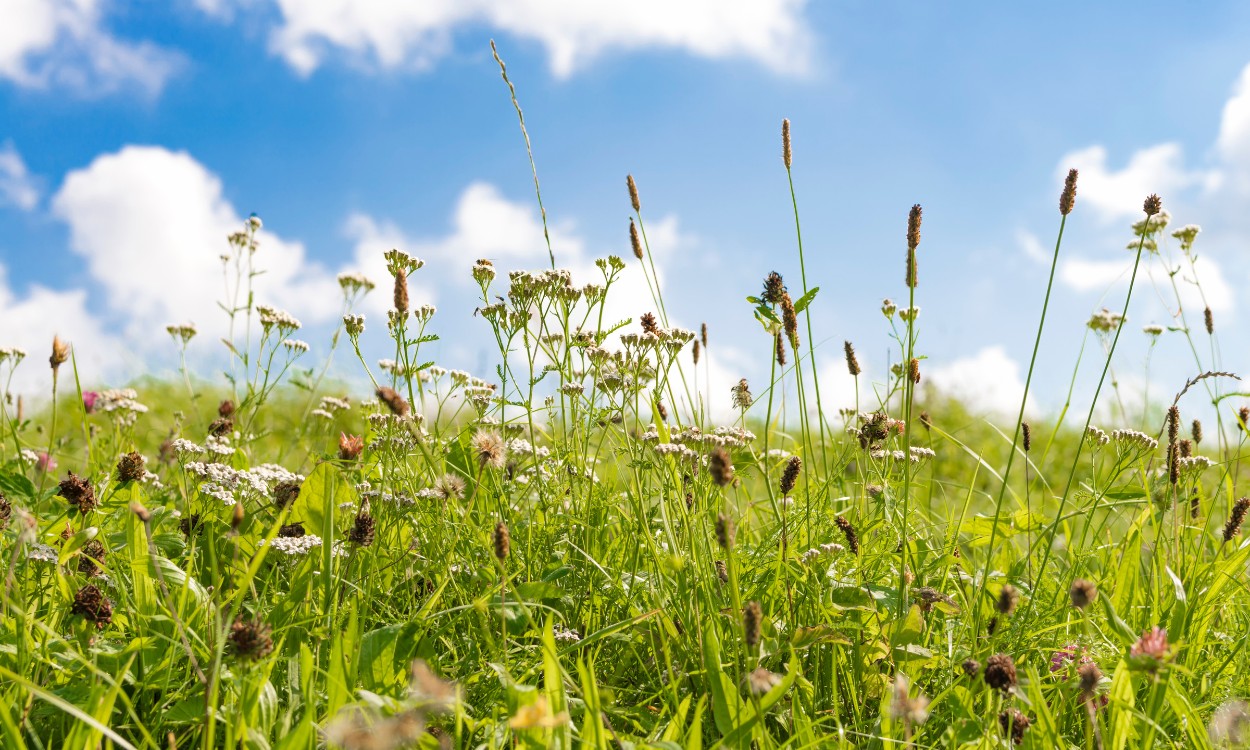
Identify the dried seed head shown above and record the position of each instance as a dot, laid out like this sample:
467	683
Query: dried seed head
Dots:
1088	675
751	618
1152	205
1243	418
720	466
1000	672
852	538
1014	723
790	477
236	520
661	410
221	427
722	572
394	401
913	370
91	604
6	512
225	408
725	531
401	292
490	449
1026	436
285	493
130	468
363	529
502	541
1235	518
790	320
992	625
350	446
1174	423
191	524
1068	197
774	287
1196	432
852	362
91	553
1195	506
292	530
648	323
926	421
250	640
787	155
1083	593
741	395
60	353
1008	597
971	667
780	348
1209	321
633	192
634	240
1186	448
1174	465
913	227
78	492
694	352
703	334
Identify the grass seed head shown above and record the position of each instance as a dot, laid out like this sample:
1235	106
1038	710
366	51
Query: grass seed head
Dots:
1026	436
913	370
720	466
1083	593
1000	672
502	541
780	347
1209	321
634	240
1067	198
725	531
1152	205
848	530
78	492
1236	518
1174	423
694	352
852	362
93	606
1008	597
787	155
395	402
1196	432
752	616
790	320
790	476
703	334
633	192
250	640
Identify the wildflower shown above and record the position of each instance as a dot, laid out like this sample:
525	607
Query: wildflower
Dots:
1026	436
971	667
250	640
42	553
1151	649
60	353
394	401
221	427
93	606
79	493
852	362
725	531
89	399
490	449
448	487
1105	321
1235	518
91	553
720	466
130	468
354	283
295	546
1014	723
45	463
1083	593
502	541
741	395
774	287
350	446
354	325
752	615
760	681
852	538
888	308
1068	197
272	317
633	192
790	476
1152	205
1154	331
295	346
1000	672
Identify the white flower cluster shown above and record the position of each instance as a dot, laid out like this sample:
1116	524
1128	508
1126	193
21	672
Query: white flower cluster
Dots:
1105	321
918	454
183	447
561	633
295	346
353	283
228	484
299	546
1097	436
1152	330
41	553
272	317
354	324
13	353
1134	440
1194	465
183	332
521	445
824	550
725	437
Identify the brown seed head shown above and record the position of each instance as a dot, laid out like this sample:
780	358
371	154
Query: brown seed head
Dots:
502	541
1014	723
1008	597
1083	593
1174	423
780	348
648	323
1209	320
752	615
363	529
93	606
720	466
1000	672
1152	205
1088	675
661	410
401	292
722	572
790	477
490	449
130	468
634	240
60	353
703	334
350	446
971	667
633	192
1236	518
191	524
221	427
236	520
1068	197
1174	466
137	508
926	421
790	320
852	362
394	401
78	492
91	553
725	531
225	408
285	493
1026	436
913	370
913	227
250	640
774	287
1196	432
694	352
852	538
787	155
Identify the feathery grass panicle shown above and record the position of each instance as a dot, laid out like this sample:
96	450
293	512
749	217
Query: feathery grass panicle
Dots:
633	192
634	240
1067	199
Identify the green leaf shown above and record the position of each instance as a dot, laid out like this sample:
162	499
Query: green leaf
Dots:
806	299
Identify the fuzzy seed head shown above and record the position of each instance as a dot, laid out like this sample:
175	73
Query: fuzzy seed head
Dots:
250	640
91	553
490	449
350	446
634	240
1089	675
1083	593
1026	436
1196	432
130	468
725	531
790	477
1068	197
790	320
852	362
721	466
401	292
1008	597
787	155
913	227
225	408
848	530
60	353
971	667
394	401
1000	672
752	616
1209	321
633	192
780	348
1236	518
221	427
502	541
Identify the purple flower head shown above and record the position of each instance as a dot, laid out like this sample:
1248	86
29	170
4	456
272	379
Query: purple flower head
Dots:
45	463
1064	656
88	400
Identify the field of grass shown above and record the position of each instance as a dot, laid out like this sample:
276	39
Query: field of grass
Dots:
569	551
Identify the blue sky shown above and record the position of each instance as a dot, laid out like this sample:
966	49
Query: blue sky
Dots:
132	136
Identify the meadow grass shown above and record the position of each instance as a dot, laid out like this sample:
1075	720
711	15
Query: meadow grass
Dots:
570	550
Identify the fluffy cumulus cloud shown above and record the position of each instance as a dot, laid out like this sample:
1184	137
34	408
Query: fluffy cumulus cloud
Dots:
989	381
394	33
63	43
1116	194
17	186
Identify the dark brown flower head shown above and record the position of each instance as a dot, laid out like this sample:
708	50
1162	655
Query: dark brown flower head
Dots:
502	541
393	401
992	626
1068	197
1014	723
852	362
852	538
6	512
250	640
971	667
722	572
635	241
694	352
1174	423
1083	593
292	530
93	606
78	492
130	468
633	192
225	408
350	446
1000	672
1152	205
1243	418
779	347
725	531
1026	436
787	155
1209	321
752	615
285	493
91	553
362	532
1174	465
913	370
191	524
661	410
648	323
1088	675
790	477
790	320
400	296
703	334
913	227
1186	448
221	427
1008	597
1196	432
1235	518
774	287
1195	506
720	466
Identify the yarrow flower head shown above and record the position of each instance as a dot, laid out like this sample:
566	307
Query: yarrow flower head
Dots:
272	317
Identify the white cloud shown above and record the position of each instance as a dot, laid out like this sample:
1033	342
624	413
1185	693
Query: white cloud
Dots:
61	43
1032	247
395	33
989	381
1200	286
17	187
1118	194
